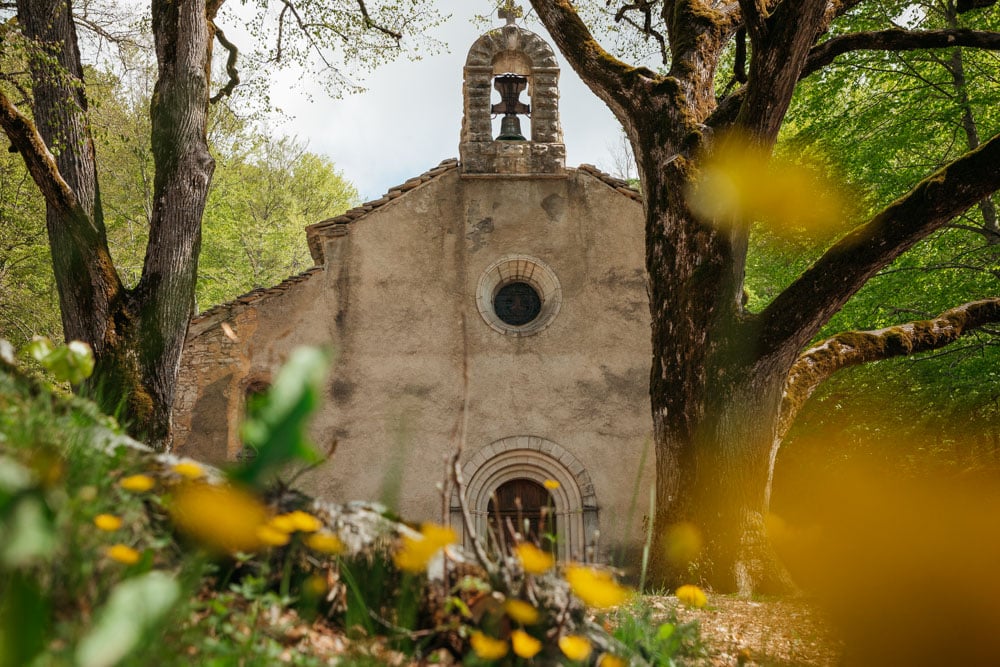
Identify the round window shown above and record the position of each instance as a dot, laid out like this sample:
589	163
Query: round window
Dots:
518	295
517	303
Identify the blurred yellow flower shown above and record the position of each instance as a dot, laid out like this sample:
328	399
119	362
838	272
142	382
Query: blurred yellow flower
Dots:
741	183
326	543
610	660
315	586
488	648
524	644
189	470
123	554
271	536
575	647
305	522
221	518
691	595
533	559
137	483
682	543
521	611
282	523
595	587
416	552
108	522
550	484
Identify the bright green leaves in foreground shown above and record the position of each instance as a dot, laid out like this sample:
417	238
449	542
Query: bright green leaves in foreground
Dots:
276	426
71	363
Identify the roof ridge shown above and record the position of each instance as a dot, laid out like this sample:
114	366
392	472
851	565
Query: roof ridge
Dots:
618	184
255	294
314	230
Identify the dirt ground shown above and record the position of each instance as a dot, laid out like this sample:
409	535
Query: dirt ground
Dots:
787	631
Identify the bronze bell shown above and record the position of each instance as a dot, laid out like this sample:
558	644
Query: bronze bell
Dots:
510	87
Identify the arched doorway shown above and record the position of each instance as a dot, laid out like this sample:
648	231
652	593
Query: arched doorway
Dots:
546	465
525	508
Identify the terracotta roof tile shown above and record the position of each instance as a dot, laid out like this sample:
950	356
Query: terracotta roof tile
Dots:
316	232
229	307
617	183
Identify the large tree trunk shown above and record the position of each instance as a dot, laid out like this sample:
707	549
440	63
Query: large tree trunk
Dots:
714	400
136	335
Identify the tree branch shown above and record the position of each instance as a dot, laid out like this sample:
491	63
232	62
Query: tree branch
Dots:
797	314
778	53
604	74
896	39
369	23
24	137
234	75
852	348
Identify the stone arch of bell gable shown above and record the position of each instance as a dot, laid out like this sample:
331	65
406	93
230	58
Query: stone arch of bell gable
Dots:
511	38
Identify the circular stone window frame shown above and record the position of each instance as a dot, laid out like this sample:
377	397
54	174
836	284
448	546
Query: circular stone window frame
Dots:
519	269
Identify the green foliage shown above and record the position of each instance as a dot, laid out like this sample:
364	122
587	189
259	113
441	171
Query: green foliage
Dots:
883	121
28	302
659	641
71	363
265	192
136	606
276	425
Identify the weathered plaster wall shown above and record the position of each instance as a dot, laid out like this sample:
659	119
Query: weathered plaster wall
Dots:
396	297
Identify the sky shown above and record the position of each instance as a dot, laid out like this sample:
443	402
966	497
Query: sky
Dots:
409	118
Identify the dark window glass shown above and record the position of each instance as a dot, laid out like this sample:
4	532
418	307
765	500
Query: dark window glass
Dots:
517	303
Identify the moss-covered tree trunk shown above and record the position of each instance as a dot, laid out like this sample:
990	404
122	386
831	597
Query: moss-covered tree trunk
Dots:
136	334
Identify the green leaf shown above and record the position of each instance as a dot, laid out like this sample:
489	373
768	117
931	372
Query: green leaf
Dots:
29	533
276	426
136	606
71	363
24	620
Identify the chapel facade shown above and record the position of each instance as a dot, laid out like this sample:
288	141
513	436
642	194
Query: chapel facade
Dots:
503	281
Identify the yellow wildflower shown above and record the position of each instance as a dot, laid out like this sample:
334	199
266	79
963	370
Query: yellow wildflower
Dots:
610	660
691	595
533	559
315	586
304	522
595	587
521	611
416	552
189	470
283	523
682	543
108	522
575	647
137	483
524	644
325	543
222	518
550	484
123	554
488	648
271	536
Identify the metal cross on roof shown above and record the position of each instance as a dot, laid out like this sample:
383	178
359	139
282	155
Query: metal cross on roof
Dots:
511	12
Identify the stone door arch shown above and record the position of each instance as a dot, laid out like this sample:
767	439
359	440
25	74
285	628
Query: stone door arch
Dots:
536	460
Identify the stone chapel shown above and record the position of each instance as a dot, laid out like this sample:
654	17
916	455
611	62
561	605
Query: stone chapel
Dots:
503	271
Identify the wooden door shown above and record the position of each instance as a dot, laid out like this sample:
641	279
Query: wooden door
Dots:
519	501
